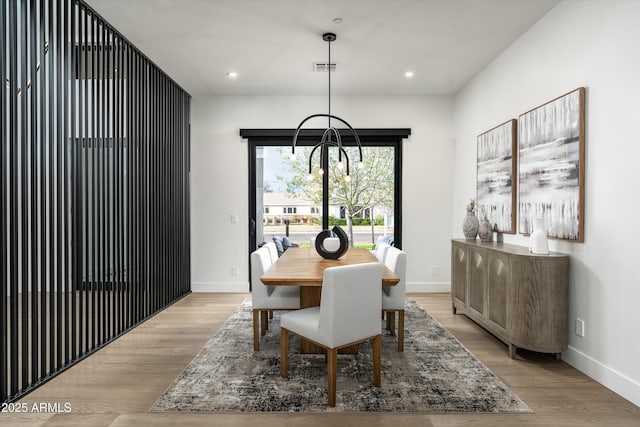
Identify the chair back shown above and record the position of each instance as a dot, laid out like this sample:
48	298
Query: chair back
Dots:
381	251
396	261
260	262
273	251
351	303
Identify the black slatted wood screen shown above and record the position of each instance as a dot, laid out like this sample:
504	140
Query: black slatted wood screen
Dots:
94	197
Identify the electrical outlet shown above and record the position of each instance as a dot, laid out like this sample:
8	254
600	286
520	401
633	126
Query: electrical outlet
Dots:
234	218
580	327
235	270
434	270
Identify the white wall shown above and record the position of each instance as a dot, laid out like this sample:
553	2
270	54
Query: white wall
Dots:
219	177
592	44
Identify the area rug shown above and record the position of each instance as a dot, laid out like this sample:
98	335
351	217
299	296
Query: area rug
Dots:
434	374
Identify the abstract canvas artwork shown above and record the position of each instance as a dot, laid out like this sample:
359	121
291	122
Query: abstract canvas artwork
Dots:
551	167
495	184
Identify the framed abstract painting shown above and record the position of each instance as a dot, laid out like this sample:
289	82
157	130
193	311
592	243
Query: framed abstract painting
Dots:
551	167
495	193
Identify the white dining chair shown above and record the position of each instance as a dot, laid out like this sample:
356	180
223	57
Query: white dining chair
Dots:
273	251
268	298
349	314
393	297
381	251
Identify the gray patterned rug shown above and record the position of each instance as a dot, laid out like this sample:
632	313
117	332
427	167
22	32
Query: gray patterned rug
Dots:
436	373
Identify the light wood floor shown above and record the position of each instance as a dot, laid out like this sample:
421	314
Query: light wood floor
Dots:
117	385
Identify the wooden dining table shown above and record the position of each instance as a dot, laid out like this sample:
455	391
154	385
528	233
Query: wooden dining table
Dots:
304	267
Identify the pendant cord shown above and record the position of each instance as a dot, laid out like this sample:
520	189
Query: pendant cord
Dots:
329	70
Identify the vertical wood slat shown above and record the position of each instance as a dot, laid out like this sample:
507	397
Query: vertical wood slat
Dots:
13	194
102	151
23	147
33	169
94	206
50	186
66	212
58	144
119	178
128	195
152	191
144	82
74	180
108	173
84	177
91	43
4	371
163	196
42	134
117	193
135	142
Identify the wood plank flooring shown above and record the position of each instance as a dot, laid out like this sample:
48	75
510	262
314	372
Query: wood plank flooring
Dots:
117	385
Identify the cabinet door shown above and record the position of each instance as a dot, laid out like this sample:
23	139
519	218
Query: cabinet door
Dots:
477	279
459	272
540	295
498	278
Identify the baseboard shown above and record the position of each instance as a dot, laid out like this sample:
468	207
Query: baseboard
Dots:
608	377
428	286
219	287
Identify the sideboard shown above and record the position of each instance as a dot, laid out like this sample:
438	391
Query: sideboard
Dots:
519	297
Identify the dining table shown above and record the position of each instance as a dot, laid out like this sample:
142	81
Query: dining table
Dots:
304	267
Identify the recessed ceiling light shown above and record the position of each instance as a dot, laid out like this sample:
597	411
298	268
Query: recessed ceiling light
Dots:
232	74
337	20
408	74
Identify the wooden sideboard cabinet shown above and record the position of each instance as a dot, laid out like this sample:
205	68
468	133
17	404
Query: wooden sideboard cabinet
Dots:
519	297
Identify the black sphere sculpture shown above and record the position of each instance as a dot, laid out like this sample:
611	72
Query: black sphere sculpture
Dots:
324	234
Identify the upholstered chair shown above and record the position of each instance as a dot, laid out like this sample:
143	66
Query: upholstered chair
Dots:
349	314
393	297
267	298
381	251
273	251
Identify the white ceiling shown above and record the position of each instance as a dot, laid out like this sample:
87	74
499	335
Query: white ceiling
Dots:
272	44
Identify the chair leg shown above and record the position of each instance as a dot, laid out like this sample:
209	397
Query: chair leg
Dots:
401	331
376	349
264	322
332	367
256	325
392	322
284	353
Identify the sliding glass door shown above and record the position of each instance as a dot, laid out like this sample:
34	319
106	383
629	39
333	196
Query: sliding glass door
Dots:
285	200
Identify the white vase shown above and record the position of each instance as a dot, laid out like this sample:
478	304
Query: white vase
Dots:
538	242
331	244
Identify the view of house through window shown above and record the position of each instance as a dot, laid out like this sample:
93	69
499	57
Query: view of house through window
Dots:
289	201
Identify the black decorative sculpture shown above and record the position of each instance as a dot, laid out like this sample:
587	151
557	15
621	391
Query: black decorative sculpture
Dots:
324	234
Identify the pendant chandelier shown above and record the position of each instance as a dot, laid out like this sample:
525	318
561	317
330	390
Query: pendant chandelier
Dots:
331	136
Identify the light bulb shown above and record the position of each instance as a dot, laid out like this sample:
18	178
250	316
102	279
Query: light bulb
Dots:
310	177
360	165
321	171
340	165
347	178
